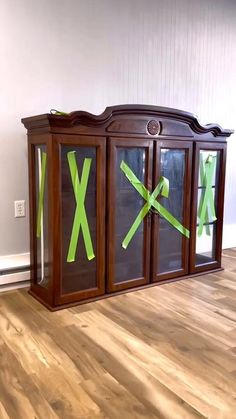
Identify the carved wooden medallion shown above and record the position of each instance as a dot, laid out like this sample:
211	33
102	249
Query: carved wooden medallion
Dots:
153	127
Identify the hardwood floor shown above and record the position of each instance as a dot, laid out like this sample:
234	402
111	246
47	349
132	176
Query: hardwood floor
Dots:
163	352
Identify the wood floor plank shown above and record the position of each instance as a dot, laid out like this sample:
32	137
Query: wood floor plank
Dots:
157	398
170	333
161	366
20	396
113	398
166	352
46	370
3	413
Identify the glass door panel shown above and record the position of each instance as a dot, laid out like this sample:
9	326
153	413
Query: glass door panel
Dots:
208	206
128	203
128	259
78	271
169	251
208	177
206	212
170	245
82	183
41	211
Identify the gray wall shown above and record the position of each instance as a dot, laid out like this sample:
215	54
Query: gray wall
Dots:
88	54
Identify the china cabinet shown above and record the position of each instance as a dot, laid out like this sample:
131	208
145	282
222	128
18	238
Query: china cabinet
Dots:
122	200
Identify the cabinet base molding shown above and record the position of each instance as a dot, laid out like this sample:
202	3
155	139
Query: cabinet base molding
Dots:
115	294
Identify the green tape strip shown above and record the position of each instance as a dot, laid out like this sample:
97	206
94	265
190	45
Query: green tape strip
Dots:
163	189
203	183
80	218
41	192
207	199
171	219
59	113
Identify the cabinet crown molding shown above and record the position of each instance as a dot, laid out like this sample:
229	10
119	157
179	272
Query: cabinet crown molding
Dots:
165	117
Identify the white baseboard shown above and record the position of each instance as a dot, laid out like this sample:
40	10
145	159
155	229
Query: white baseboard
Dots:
14	278
15	286
14	261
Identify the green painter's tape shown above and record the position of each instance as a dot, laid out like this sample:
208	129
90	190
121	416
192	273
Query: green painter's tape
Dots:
80	218
59	113
203	183
207	199
171	219
163	189
43	163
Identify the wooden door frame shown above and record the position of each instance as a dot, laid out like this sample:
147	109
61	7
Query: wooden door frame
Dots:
113	144
177	145
221	147
100	144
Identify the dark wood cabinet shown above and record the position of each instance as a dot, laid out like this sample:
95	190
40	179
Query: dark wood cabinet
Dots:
125	199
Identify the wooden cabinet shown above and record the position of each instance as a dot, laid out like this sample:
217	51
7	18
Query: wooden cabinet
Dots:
122	200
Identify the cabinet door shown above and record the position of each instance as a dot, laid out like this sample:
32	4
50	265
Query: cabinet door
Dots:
207	212
82	213
128	265
170	247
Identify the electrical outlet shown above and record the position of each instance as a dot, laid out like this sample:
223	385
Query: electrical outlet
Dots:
19	209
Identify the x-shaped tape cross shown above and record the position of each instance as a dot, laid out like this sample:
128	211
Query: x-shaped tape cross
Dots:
163	189
207	199
80	218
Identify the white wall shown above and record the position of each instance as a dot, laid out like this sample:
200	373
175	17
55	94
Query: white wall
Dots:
88	54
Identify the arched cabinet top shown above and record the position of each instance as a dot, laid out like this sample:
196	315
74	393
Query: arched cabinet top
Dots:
129	120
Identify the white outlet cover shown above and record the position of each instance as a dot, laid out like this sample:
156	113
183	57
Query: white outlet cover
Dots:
19	207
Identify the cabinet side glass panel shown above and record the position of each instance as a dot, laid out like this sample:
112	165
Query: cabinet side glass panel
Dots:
128	203
208	177
41	210
78	204
169	249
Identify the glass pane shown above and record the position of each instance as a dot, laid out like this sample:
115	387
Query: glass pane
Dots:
41	220
204	155
169	249
207	206
81	273
205	245
128	202
209	215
